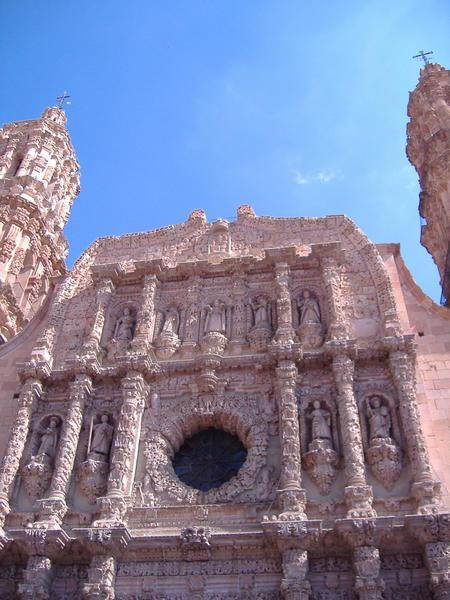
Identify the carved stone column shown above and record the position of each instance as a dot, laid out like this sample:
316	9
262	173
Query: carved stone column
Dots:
424	488
113	506
104	290
366	564
38	577
358	495
101	578
437	559
338	326
292	497
294	585
285	334
146	315
239	317
53	508
31	391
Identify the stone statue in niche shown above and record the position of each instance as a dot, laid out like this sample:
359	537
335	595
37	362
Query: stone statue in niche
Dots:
310	330
49	439
168	341
101	439
379	419
214	340
93	472
261	330
321	460
124	330
320	423
37	473
123	333
215	318
383	453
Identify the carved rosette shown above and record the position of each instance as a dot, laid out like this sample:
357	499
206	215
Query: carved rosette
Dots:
214	343
31	390
93	476
321	463
384	458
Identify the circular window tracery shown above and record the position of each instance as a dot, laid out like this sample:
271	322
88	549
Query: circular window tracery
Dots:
209	459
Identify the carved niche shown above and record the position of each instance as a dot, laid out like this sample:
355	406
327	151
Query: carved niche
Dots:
311	328
381	437
261	317
93	472
215	327
120	330
37	472
180	419
320	441
167	331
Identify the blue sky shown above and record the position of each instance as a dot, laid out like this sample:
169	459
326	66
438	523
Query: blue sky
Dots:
297	108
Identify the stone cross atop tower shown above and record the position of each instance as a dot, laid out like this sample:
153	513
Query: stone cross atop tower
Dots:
39	180
428	149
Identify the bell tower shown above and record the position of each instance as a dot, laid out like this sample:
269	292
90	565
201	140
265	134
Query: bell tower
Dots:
428	149
39	180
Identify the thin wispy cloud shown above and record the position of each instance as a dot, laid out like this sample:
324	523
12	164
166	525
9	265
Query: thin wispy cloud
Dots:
324	176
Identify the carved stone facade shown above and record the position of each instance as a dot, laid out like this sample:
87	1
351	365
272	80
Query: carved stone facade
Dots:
286	341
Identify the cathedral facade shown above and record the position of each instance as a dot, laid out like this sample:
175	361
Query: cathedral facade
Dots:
220	411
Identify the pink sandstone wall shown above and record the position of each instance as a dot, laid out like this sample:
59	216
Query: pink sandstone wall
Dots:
16	351
431	324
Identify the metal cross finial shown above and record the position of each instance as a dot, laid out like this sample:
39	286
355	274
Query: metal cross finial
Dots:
63	99
424	56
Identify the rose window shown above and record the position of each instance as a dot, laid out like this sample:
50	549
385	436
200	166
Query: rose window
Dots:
209	458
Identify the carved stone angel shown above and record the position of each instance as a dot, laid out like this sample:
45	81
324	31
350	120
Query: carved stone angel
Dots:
49	439
320	423
379	419
171	321
124	329
261	331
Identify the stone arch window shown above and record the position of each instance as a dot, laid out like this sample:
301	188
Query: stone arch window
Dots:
209	459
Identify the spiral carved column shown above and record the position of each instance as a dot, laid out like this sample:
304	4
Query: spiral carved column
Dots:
31	391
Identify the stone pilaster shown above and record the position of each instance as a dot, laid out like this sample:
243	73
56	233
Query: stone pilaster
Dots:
366	564
437	559
338	326
37	577
113	506
294	585
285	334
53	508
104	291
358	495
292	498
145	321
31	391
239	320
101	578
424	488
